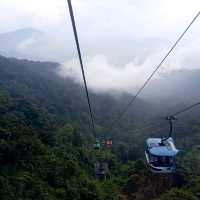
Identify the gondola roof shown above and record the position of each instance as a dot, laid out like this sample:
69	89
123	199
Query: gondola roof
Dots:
167	148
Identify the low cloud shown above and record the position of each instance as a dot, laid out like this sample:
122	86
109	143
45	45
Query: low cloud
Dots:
104	76
121	44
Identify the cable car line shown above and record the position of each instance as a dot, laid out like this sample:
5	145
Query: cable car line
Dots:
186	109
81	64
160	152
153	73
172	118
154	125
147	128
100	167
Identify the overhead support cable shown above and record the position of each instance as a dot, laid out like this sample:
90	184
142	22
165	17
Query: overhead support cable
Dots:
185	109
81	64
170	118
152	74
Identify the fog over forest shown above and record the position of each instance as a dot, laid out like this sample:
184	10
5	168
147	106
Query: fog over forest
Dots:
120	49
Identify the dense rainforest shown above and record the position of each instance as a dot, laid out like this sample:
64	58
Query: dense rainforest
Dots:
46	144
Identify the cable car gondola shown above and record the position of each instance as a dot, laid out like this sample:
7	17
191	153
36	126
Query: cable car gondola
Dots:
161	153
97	145
108	143
101	170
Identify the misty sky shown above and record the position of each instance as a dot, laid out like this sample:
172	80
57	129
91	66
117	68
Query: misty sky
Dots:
121	41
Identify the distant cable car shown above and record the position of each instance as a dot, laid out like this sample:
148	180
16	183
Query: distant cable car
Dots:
101	169
109	143
97	145
161	153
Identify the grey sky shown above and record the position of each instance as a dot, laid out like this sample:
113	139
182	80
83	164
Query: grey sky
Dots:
121	40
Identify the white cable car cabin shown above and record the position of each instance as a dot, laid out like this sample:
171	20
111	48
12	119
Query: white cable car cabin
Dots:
97	145
161	154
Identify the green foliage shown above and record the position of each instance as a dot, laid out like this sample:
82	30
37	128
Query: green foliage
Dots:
46	145
178	194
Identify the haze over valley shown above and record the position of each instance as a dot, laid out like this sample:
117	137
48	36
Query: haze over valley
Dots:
55	144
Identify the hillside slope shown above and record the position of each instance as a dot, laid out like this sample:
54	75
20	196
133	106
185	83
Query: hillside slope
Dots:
46	144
